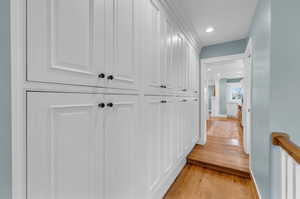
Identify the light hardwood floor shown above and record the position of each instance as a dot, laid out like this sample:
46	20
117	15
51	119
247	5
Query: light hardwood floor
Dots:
224	148
196	182
222	153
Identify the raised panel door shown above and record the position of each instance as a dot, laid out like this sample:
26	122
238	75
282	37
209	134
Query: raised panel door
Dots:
65	41
64	146
153	43
120	122
122	72
152	124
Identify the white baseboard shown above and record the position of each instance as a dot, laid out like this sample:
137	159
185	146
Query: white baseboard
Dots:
164	187
255	184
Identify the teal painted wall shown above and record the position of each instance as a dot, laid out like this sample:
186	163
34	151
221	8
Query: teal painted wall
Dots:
285	71
5	129
224	49
236	80
285	80
260	156
223	96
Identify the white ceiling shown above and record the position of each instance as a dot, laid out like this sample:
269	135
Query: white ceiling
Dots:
230	18
227	69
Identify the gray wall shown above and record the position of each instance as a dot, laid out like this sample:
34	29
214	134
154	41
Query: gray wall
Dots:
5	129
224	49
285	80
285	71
260	149
223	96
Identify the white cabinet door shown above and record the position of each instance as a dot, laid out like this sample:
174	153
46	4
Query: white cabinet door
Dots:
65	41
122	72
168	118
152	124
196	120
171	43
153	45
120	124
64	146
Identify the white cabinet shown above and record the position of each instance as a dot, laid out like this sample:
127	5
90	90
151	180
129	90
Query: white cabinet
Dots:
65	41
152	124
153	49
81	145
122	70
82	42
91	145
65	139
120	125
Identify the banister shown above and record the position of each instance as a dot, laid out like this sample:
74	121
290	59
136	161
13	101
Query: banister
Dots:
283	140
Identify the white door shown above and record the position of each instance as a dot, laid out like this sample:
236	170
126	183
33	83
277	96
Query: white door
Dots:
122	72
121	120
66	41
64	146
152	125
170	53
153	71
182	127
167	118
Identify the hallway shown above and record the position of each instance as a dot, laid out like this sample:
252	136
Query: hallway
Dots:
219	165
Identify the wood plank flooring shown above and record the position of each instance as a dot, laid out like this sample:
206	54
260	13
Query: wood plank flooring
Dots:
221	157
224	148
195	182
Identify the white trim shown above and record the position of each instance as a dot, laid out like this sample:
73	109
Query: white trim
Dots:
203	89
223	58
255	184
18	97
182	23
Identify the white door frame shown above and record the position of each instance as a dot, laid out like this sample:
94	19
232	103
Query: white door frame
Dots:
204	89
247	116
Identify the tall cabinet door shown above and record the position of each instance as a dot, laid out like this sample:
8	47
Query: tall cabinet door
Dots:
153	44
65	41
152	124
120	123
64	146
122	72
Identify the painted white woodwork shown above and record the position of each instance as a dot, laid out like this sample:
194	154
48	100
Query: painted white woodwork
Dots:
171	134
152	125
123	68
247	104
65	139
135	146
72	42
153	43
65	41
171	41
290	177
120	124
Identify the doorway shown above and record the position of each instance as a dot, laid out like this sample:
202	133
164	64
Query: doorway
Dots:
226	93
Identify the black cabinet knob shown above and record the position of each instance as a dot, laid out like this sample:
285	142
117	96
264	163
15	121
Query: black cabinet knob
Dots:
101	105
110	77
101	76
184	90
110	104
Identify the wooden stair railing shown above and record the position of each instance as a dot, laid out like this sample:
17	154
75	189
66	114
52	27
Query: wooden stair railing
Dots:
288	175
283	140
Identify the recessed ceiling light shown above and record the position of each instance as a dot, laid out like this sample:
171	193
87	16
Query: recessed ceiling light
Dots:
209	69
209	29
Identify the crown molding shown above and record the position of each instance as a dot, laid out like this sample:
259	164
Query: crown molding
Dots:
183	22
